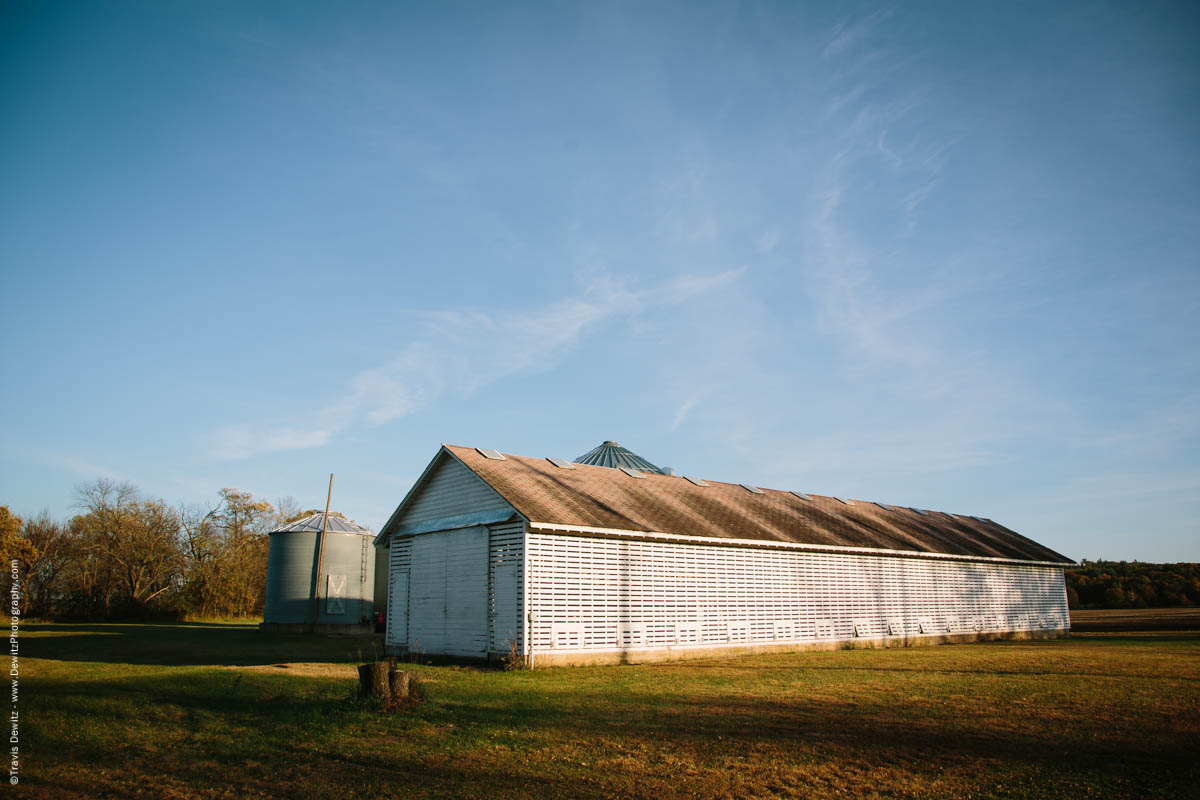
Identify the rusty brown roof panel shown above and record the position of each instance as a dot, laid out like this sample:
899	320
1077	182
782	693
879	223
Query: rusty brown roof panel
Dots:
602	497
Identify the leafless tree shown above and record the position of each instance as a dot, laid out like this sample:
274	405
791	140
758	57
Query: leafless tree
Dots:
50	557
134	542
287	509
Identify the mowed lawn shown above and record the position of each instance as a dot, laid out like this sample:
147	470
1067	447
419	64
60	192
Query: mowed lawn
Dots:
222	711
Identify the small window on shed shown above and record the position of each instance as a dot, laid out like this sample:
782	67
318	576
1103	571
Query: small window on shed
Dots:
802	496
919	511
561	463
881	505
844	500
492	454
633	473
751	489
696	481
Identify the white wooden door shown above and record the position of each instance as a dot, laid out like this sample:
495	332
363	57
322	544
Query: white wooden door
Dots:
448	593
427	594
467	592
506	616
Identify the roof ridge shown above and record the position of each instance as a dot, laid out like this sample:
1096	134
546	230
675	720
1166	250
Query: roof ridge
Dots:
712	481
607	499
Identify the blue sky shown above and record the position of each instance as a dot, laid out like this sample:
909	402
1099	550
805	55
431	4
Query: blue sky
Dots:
944	256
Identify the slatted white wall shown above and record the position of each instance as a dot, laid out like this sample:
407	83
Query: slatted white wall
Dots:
506	582
605	594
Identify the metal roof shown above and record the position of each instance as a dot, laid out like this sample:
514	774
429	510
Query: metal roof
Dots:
313	523
611	454
591	498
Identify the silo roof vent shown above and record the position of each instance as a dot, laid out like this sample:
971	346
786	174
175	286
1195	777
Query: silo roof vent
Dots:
611	454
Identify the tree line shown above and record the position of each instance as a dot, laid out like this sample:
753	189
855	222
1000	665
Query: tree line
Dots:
1132	584
128	556
125	555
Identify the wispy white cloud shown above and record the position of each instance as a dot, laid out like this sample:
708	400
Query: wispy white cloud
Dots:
850	32
79	465
768	240
242	441
888	309
924	447
682	412
870	165
1090	489
841	281
888	153
166	483
846	99
460	352
688	216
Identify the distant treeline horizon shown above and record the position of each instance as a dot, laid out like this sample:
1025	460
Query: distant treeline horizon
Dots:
1132	584
126	556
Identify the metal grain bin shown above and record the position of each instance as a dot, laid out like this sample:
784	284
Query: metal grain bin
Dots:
347	580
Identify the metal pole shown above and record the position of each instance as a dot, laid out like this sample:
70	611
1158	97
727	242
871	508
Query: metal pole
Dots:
321	553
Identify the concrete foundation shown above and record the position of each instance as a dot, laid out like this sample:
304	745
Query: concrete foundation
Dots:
579	658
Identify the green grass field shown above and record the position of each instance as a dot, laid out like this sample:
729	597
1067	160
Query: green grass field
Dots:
195	710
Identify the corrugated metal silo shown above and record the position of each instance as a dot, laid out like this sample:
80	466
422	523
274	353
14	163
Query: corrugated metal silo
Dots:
347	580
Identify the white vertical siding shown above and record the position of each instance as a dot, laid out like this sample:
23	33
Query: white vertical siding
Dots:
452	490
604	594
450	606
427	594
448	593
466	592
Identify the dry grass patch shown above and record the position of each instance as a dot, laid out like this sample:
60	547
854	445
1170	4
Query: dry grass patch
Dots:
1093	716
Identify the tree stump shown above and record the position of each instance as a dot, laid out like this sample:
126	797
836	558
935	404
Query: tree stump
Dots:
399	681
373	681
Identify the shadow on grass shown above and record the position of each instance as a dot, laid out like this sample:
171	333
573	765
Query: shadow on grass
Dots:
191	644
102	626
306	729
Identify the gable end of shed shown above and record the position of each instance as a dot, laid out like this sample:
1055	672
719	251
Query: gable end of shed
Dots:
447	495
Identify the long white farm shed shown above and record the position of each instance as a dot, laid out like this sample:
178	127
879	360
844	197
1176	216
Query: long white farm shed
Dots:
573	563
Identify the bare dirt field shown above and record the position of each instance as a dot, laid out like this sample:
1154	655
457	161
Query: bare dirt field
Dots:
1135	619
